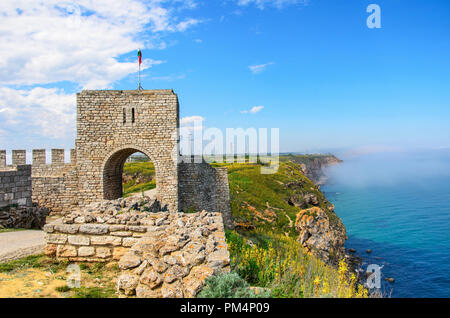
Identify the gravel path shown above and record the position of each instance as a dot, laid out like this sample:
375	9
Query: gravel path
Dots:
20	244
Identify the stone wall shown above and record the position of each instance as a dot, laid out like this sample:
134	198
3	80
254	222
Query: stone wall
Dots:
55	185
15	185
52	185
91	242
161	254
202	187
16	210
173	259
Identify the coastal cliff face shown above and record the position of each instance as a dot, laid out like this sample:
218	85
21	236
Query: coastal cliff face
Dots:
322	233
313	166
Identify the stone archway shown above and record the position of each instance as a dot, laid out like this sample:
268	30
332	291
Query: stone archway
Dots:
113	170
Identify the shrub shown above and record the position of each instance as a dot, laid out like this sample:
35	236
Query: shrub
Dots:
228	285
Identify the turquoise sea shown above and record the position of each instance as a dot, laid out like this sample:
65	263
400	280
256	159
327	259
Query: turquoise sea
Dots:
398	205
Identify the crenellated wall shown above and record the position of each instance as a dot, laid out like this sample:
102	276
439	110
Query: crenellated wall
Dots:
51	185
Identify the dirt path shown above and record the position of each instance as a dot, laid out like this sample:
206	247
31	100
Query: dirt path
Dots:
20	244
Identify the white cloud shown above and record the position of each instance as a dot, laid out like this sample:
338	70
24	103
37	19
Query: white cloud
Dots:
48	112
191	119
256	69
261	4
253	110
81	41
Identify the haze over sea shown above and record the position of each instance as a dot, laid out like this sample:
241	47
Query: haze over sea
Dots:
398	205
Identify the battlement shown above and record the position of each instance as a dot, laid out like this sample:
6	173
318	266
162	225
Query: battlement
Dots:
127	92
39	158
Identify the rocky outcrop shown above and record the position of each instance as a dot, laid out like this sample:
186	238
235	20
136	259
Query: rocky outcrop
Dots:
322	233
313	166
173	260
23	217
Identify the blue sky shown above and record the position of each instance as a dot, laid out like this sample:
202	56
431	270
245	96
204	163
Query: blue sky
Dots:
320	74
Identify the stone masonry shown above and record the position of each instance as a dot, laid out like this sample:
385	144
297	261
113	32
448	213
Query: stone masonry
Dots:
161	254
16	210
15	185
111	126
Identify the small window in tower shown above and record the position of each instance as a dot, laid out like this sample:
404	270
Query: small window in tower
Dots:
124	116
132	115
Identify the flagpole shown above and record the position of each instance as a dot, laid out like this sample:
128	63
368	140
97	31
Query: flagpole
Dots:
139	62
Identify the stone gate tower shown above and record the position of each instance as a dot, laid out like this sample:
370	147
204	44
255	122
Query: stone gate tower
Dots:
111	126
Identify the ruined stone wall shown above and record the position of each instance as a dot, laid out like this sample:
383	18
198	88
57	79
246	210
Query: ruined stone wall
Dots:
52	185
202	187
160	254
55	185
15	182
112	125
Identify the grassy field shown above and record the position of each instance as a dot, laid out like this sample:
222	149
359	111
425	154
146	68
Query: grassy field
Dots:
39	276
146	171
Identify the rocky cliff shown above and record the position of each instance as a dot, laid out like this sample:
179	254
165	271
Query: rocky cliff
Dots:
313	166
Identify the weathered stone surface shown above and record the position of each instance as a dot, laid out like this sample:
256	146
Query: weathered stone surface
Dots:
56	238
79	240
94	229
129	260
86	251
175	262
129	241
321	233
66	228
106	240
66	251
151	278
50	250
118	252
127	284
194	282
103	252
173	290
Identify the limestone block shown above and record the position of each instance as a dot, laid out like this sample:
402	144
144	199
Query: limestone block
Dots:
94	229
86	251
106	240
56	238
103	252
66	251
79	240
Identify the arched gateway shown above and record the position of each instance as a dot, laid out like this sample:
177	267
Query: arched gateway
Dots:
111	126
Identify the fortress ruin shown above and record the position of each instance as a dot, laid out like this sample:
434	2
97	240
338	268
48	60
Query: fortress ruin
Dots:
111	126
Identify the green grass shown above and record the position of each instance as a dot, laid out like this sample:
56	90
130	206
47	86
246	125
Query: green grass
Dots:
249	187
33	261
93	292
143	168
11	230
129	190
